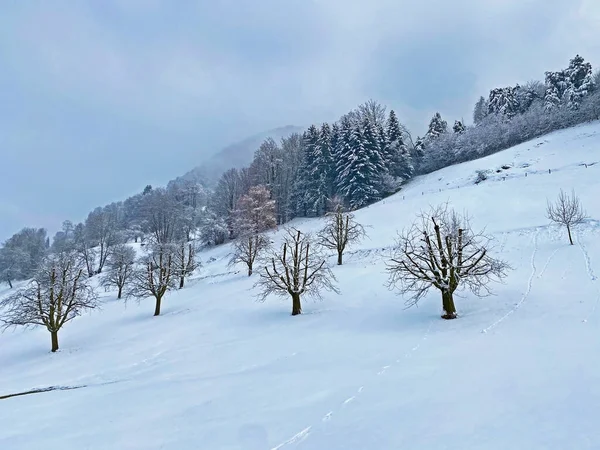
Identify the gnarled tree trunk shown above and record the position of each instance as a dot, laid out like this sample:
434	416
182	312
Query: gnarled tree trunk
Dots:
448	305
340	257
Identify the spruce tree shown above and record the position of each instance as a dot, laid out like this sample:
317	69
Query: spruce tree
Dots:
503	101
359	166
400	160
320	168
437	127
580	79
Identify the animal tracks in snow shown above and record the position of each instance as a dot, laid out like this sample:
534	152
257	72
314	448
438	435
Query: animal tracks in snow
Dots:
592	276
294	439
528	289
329	416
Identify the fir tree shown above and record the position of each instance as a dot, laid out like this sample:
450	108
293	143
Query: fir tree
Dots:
580	81
400	160
359	167
320	168
437	127
503	101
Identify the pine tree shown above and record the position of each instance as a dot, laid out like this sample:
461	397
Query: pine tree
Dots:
359	166
503	101
580	80
556	86
437	127
400	164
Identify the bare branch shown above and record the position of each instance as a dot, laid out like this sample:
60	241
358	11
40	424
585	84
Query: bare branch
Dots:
57	294
340	231
566	211
298	270
441	250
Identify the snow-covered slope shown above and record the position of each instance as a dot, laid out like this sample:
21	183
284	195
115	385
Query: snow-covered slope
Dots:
357	371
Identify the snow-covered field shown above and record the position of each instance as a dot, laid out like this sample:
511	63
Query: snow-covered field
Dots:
520	370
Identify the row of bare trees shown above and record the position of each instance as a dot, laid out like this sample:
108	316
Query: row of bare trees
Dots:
440	250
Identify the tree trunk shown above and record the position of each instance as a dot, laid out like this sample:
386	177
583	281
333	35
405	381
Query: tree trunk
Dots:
120	292
569	231
54	335
249	270
340	258
448	305
181	282
157	307
296	305
9	283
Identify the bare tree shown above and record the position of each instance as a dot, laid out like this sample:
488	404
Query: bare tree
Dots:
101	230
185	261
84	248
299	269
154	277
566	211
58	293
340	231
161	216
441	250
247	249
121	264
255	212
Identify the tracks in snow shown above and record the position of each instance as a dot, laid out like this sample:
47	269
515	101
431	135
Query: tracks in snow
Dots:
593	278
527	291
302	435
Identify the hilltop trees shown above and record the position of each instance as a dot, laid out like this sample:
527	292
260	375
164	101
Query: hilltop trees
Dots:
298	270
569	86
437	127
255	212
566	211
22	254
58	293
440	250
340	231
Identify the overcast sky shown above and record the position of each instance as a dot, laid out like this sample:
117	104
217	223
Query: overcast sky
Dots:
100	98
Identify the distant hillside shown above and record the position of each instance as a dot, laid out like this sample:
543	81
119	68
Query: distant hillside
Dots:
236	155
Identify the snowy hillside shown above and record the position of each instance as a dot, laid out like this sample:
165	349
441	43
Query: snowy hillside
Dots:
217	370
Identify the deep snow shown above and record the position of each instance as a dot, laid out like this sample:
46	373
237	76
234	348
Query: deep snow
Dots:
218	370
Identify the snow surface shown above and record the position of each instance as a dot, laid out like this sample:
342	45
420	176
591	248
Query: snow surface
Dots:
218	370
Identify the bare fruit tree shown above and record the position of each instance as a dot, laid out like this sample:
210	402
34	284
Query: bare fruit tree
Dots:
566	211
58	293
121	264
440	250
247	249
154	277
340	231
298	269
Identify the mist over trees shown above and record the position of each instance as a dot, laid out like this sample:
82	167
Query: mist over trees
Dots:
365	156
